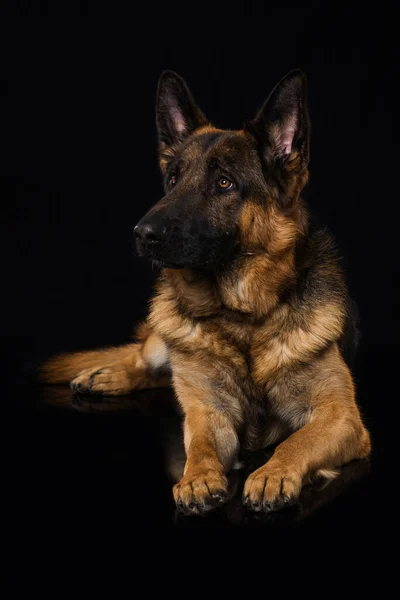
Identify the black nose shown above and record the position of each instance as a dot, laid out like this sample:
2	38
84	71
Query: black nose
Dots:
148	233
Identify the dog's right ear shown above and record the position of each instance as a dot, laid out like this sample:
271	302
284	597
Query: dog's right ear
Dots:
177	114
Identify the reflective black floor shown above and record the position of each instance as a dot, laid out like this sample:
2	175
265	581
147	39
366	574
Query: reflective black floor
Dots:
73	460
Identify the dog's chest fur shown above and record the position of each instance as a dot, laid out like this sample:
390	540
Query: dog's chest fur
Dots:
191	315
194	314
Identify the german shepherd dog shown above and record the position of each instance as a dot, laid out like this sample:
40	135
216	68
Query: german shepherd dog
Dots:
250	313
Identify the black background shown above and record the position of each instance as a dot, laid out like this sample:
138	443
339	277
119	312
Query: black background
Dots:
79	168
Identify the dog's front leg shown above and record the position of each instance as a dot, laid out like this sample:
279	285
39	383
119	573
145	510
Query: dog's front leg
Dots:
334	436
211	444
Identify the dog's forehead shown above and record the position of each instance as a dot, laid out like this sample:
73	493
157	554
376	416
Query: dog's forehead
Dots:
211	144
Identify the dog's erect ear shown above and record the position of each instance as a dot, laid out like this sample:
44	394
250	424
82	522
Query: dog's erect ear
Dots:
177	113
282	125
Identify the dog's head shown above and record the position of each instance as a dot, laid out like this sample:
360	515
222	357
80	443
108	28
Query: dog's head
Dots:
225	189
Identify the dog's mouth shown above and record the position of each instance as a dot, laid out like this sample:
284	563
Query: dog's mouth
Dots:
163	257
162	264
160	255
170	263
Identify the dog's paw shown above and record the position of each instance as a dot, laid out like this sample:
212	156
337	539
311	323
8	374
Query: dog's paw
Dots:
108	380
272	487
197	494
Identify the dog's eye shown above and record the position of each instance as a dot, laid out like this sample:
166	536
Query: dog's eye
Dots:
224	183
172	179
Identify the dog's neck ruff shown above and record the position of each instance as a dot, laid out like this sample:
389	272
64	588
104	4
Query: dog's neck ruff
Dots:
251	284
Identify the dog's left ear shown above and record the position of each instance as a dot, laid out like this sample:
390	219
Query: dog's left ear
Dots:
282	125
